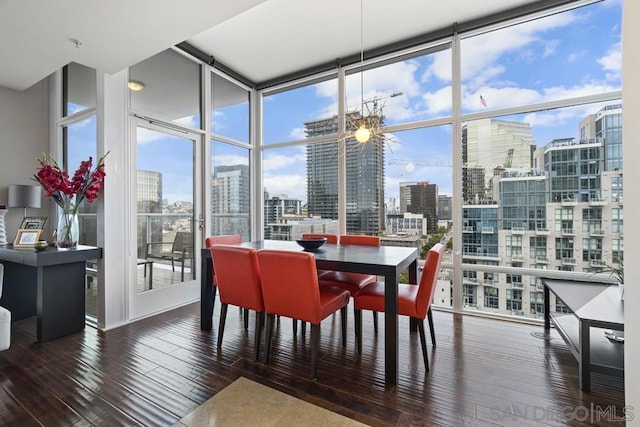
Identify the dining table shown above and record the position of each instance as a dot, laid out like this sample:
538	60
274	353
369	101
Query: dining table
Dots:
385	261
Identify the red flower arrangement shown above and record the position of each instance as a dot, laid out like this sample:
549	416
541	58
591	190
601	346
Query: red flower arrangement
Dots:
70	193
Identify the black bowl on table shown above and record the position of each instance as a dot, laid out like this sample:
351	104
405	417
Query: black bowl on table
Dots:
312	244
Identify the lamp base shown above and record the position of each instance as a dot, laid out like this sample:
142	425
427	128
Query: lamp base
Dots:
3	231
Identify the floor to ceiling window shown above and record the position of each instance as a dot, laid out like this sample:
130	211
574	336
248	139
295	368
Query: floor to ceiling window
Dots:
79	144
537	100
548	157
230	158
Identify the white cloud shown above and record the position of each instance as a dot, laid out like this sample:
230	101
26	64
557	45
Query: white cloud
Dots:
274	162
218	119
612	61
145	136
439	101
297	133
229	159
550	47
499	97
481	53
293	185
574	56
189	121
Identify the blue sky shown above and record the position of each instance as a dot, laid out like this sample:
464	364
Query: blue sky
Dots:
564	55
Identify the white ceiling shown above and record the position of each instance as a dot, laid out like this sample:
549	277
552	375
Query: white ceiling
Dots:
260	39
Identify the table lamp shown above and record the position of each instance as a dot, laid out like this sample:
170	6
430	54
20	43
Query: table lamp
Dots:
24	196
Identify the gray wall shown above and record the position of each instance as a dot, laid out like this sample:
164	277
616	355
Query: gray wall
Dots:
24	135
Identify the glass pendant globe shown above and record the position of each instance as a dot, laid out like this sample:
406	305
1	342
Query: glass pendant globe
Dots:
363	134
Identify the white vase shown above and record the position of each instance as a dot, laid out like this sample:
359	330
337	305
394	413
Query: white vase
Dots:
68	231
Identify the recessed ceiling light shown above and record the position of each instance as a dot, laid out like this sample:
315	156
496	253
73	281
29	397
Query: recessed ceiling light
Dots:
135	85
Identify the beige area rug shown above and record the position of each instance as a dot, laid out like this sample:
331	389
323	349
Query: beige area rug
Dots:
248	403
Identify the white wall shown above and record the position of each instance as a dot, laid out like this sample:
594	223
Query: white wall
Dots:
630	137
24	135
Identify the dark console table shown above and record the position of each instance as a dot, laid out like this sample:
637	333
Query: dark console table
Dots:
595	307
49	284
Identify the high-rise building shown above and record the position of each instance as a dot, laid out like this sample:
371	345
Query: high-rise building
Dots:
230	200
567	216
574	169
605	126
489	144
365	177
420	198
277	206
523	200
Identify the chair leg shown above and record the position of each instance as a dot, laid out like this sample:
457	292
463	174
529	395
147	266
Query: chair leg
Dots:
304	328
246	319
223	319
375	322
423	344
182	270
315	344
295	327
343	319
433	331
358	319
270	321
258	334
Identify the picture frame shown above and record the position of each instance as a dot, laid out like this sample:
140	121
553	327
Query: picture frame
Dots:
33	223
27	238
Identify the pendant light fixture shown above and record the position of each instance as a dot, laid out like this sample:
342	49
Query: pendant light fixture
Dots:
363	133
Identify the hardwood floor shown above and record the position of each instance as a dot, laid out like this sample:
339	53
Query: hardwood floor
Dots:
155	371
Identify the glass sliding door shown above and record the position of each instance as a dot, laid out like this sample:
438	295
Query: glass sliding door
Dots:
165	199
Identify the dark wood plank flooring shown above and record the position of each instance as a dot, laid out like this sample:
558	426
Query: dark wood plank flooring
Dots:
154	371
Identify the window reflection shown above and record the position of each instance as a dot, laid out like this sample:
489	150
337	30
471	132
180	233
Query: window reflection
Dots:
167	86
79	83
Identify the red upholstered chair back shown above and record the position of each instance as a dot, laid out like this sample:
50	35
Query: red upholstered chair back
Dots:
429	279
238	276
331	238
349	239
290	284
229	239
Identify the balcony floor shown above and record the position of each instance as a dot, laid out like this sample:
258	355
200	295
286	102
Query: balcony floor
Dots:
153	372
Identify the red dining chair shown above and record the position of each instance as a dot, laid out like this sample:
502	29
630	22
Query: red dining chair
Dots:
238	281
352	282
225	239
290	289
413	301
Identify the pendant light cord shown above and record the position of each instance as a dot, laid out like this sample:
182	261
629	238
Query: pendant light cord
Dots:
362	59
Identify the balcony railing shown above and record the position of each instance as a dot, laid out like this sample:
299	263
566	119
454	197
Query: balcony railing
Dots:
542	231
597	201
517	230
569	202
596	232
542	260
568	261
597	263
487	230
468	229
568	232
